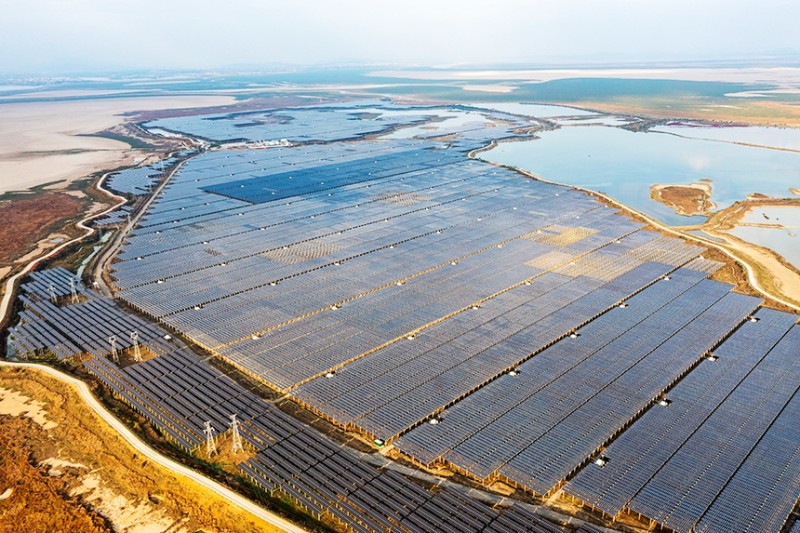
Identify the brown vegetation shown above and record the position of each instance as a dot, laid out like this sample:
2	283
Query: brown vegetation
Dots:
28	220
107	482
38	502
688	200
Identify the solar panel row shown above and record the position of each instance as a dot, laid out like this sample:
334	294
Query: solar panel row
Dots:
682	490
388	284
68	329
638	453
430	442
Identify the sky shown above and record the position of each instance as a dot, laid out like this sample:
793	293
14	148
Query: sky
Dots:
59	36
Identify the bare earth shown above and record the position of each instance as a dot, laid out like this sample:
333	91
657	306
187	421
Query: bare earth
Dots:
42	142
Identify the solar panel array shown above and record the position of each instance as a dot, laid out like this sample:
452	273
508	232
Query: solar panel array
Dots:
118	216
534	428
292	124
140	180
202	264
67	329
179	392
722	455
506	328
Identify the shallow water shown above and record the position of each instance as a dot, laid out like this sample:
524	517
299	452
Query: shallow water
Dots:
782	138
453	121
785	216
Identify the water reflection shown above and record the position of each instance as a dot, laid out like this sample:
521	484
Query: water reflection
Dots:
624	164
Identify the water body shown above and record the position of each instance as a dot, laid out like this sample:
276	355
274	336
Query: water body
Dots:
786	216
784	241
453	121
535	110
602	120
781	138
624	164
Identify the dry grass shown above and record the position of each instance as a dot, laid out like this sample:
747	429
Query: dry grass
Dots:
686	200
150	494
28	220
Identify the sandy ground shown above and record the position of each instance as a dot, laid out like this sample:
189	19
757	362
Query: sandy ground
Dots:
124	514
87	465
15	403
782	278
41	142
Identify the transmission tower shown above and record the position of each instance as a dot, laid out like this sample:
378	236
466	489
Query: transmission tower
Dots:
236	439
52	290
137	351
211	445
114	354
73	291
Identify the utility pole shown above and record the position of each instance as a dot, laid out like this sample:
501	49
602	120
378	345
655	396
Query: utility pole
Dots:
137	352
114	354
236	438
211	445
73	291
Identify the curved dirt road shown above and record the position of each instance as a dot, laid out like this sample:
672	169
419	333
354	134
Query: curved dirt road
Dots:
11	283
144	449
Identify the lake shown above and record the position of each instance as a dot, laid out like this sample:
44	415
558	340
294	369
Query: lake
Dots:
623	164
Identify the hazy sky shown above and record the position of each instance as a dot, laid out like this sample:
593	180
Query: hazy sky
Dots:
62	35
